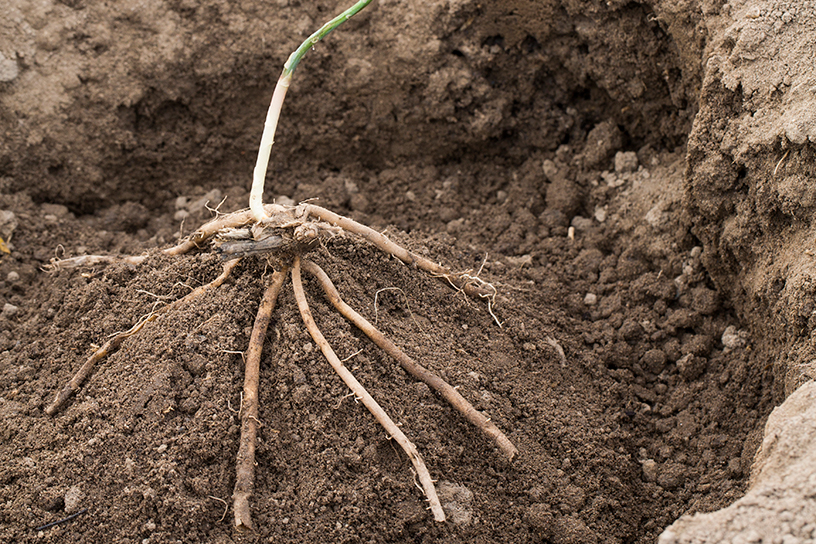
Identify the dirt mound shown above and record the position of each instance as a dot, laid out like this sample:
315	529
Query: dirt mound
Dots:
540	143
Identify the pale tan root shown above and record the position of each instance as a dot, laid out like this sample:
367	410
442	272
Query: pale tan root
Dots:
85	369
368	401
469	284
245	460
205	232
412	367
92	260
111	345
201	235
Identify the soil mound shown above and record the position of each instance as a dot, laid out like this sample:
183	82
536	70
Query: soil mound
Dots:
631	177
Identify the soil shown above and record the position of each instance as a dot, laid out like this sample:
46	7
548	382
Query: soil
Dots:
547	145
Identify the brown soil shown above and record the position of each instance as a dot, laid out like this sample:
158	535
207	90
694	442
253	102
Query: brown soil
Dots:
476	135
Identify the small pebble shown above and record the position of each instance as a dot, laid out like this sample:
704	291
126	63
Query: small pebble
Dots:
733	338
351	187
691	367
551	218
10	310
590	299
358	202
654	360
550	170
626	162
612	180
447	214
422	390
211	199
735	467
455	226
657	216
130	466
8	222
456	501
73	499
649	467
661	388
298	376
521	261
8	68
301	394
12	277
671	476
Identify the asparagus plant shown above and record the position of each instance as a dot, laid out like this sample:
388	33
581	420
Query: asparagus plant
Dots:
273	114
284	235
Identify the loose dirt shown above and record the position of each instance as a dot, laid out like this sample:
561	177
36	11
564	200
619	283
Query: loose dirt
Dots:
542	144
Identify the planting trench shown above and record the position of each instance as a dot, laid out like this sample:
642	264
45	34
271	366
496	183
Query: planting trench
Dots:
632	177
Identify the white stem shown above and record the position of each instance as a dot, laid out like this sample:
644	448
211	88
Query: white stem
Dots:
265	149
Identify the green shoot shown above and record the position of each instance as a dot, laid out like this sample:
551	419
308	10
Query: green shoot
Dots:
273	114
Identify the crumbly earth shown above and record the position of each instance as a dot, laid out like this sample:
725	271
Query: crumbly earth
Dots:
779	505
645	419
540	143
750	176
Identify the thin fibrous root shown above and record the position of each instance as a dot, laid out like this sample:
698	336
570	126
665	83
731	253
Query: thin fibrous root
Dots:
412	367
111	345
381	241
245	460
367	400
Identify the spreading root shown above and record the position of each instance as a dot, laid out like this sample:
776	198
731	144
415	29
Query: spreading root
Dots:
285	238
